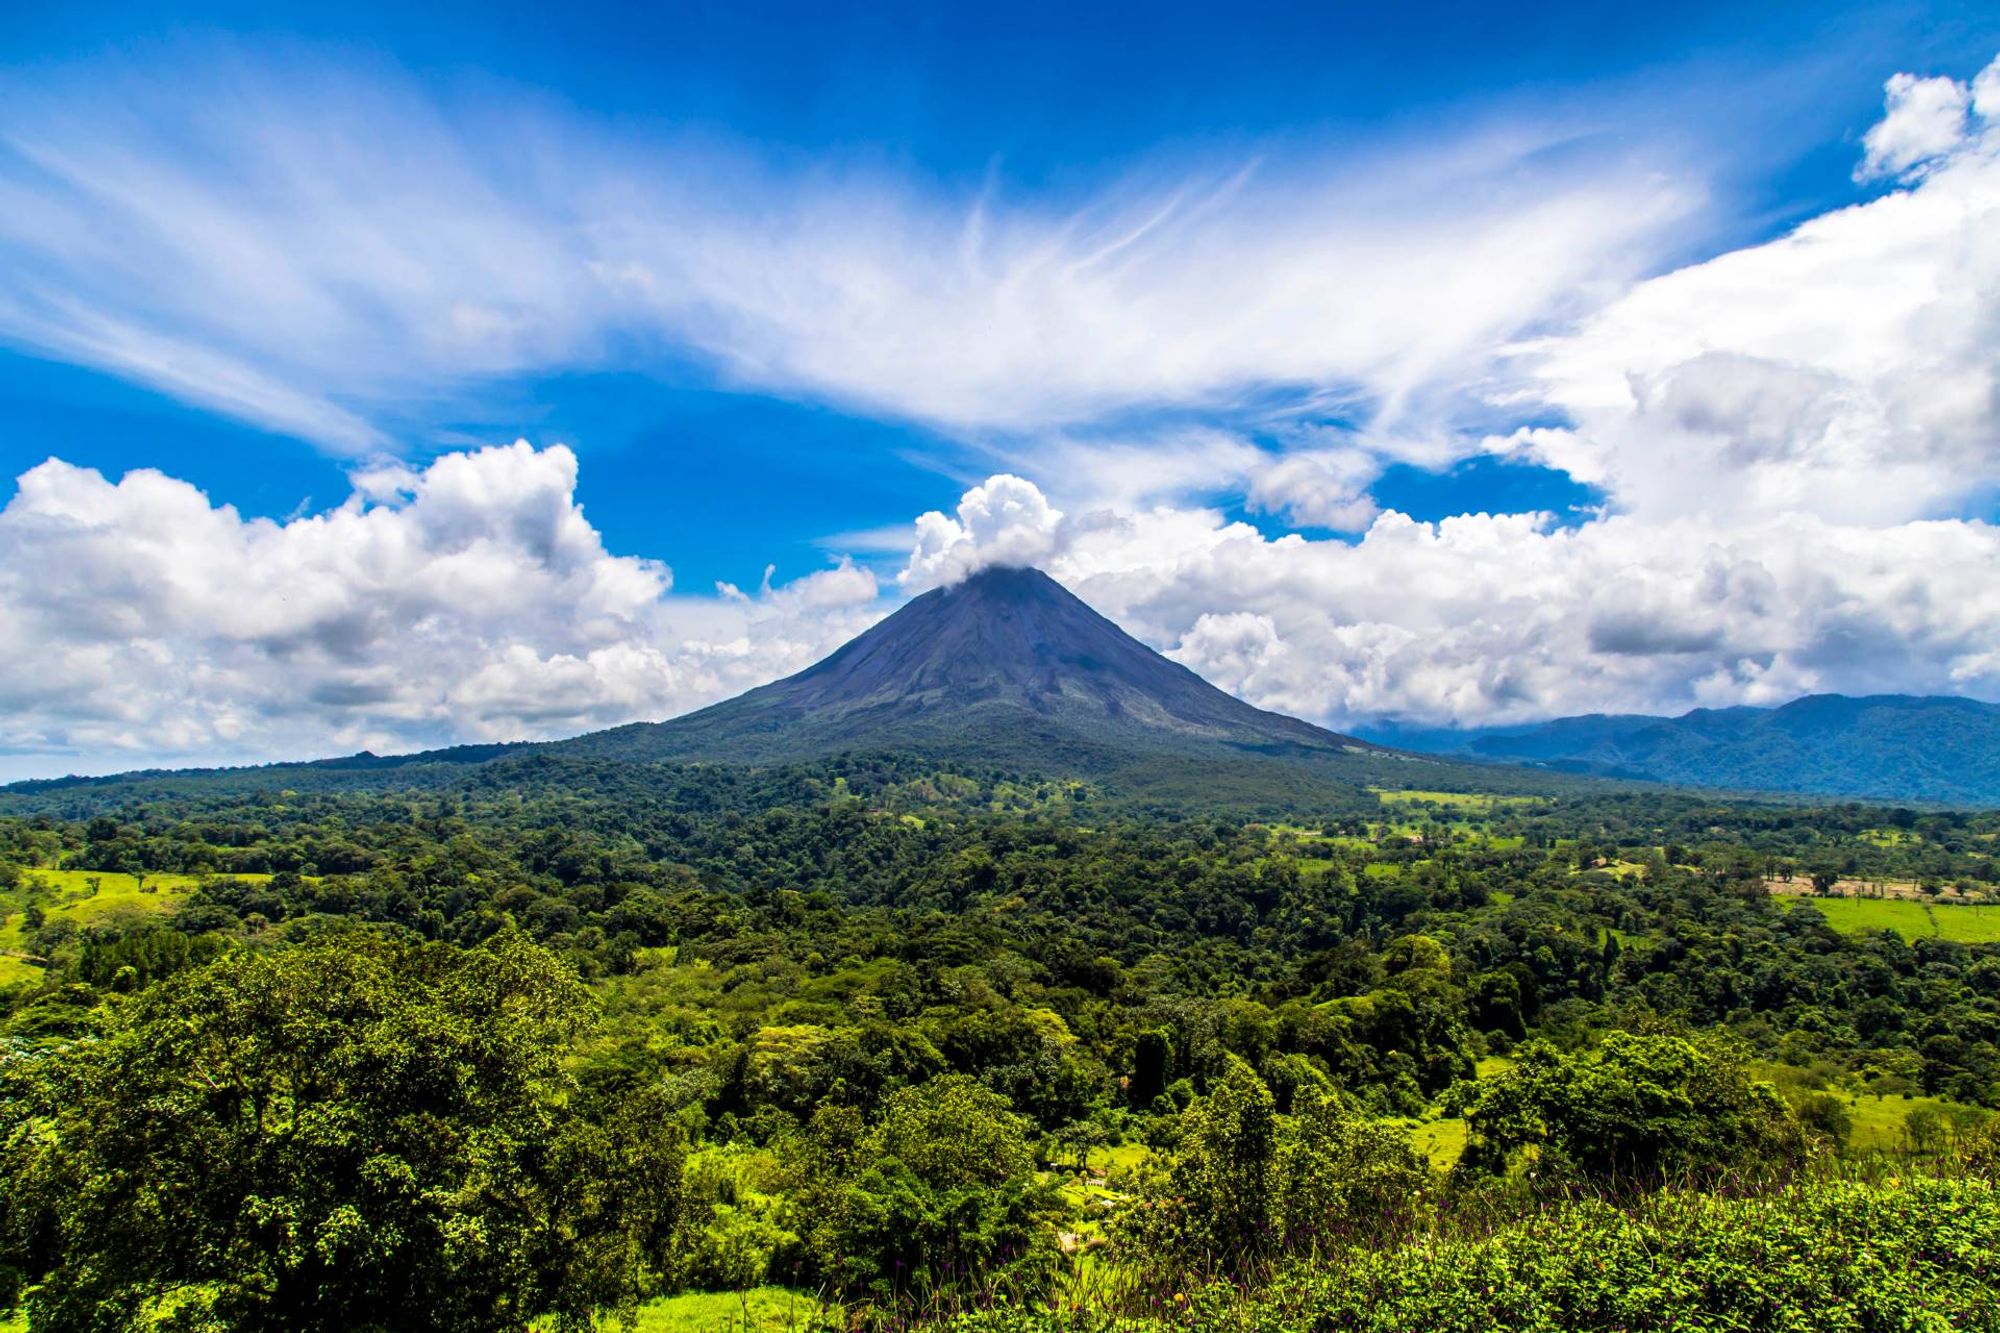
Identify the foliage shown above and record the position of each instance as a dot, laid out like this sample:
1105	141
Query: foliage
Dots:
1643	1109
1248	1183
936	1189
1851	1255
355	1133
895	1008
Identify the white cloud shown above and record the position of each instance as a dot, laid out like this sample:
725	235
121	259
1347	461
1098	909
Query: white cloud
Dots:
471	601
1003	521
1925	120
1846	370
335	257
1322	488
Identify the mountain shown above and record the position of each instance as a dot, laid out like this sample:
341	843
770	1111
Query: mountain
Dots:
1007	664
1007	671
1882	747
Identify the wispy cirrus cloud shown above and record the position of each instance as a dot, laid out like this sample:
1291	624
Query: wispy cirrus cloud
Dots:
1793	438
335	255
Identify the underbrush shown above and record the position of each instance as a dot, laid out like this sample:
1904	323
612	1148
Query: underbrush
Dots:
1899	1253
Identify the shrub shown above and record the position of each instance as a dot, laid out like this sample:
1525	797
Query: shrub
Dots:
1921	1254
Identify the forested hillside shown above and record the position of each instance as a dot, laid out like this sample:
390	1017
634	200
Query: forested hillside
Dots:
1885	747
911	1042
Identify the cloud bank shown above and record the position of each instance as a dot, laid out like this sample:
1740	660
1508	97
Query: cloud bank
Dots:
1794	441
470	601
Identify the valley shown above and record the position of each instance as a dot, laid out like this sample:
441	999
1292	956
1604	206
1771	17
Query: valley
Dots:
1044	988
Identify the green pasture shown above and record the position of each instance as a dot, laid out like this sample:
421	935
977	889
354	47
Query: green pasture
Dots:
1443	1141
1879	1122
762	1310
1913	920
1477	802
87	898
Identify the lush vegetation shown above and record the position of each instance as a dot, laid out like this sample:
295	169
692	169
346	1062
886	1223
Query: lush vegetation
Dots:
534	1040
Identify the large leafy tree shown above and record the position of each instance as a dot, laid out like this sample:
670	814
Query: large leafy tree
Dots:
350	1134
938	1196
1642	1109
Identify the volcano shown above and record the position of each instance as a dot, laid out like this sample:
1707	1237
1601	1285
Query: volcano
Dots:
1007	664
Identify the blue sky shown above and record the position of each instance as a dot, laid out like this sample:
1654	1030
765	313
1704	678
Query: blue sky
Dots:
1051	101
776	280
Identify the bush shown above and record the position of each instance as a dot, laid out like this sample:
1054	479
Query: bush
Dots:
1249	1183
937	1193
1917	1255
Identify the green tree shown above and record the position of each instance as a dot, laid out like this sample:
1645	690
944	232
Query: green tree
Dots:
1213	1209
1341	1176
1641	1109
937	1198
349	1134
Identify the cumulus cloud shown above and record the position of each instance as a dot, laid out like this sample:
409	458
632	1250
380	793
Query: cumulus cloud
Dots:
1485	618
1925	120
1003	521
1845	370
1323	488
469	601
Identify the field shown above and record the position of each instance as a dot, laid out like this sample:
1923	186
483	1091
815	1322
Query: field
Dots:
1443	1141
1911	920
87	898
1481	802
1880	1122
764	1310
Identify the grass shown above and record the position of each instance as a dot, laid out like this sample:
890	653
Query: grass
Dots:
1879	1121
67	895
1118	1157
1443	1141
1911	920
763	1310
1456	800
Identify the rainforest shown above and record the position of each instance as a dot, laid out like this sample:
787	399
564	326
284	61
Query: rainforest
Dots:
874	1043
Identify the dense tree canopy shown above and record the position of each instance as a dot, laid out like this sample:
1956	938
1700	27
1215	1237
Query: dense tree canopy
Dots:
350	1134
544	1037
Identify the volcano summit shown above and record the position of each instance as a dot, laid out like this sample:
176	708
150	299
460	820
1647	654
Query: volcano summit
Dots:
1008	663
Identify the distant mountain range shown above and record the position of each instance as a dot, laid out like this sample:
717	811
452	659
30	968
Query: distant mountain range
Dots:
1888	747
1010	670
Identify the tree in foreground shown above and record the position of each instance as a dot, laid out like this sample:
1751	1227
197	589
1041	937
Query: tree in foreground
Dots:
934	1202
351	1134
1248	1184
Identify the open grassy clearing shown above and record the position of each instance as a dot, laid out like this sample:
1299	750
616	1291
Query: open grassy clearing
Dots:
1443	1141
1881	1123
1456	800
86	898
1965	924
762	1310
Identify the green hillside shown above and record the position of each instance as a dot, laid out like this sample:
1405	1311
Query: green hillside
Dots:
913	1039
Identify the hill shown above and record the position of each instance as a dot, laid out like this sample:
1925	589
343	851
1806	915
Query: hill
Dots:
1882	747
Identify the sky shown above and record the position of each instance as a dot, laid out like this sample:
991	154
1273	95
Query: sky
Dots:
392	376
